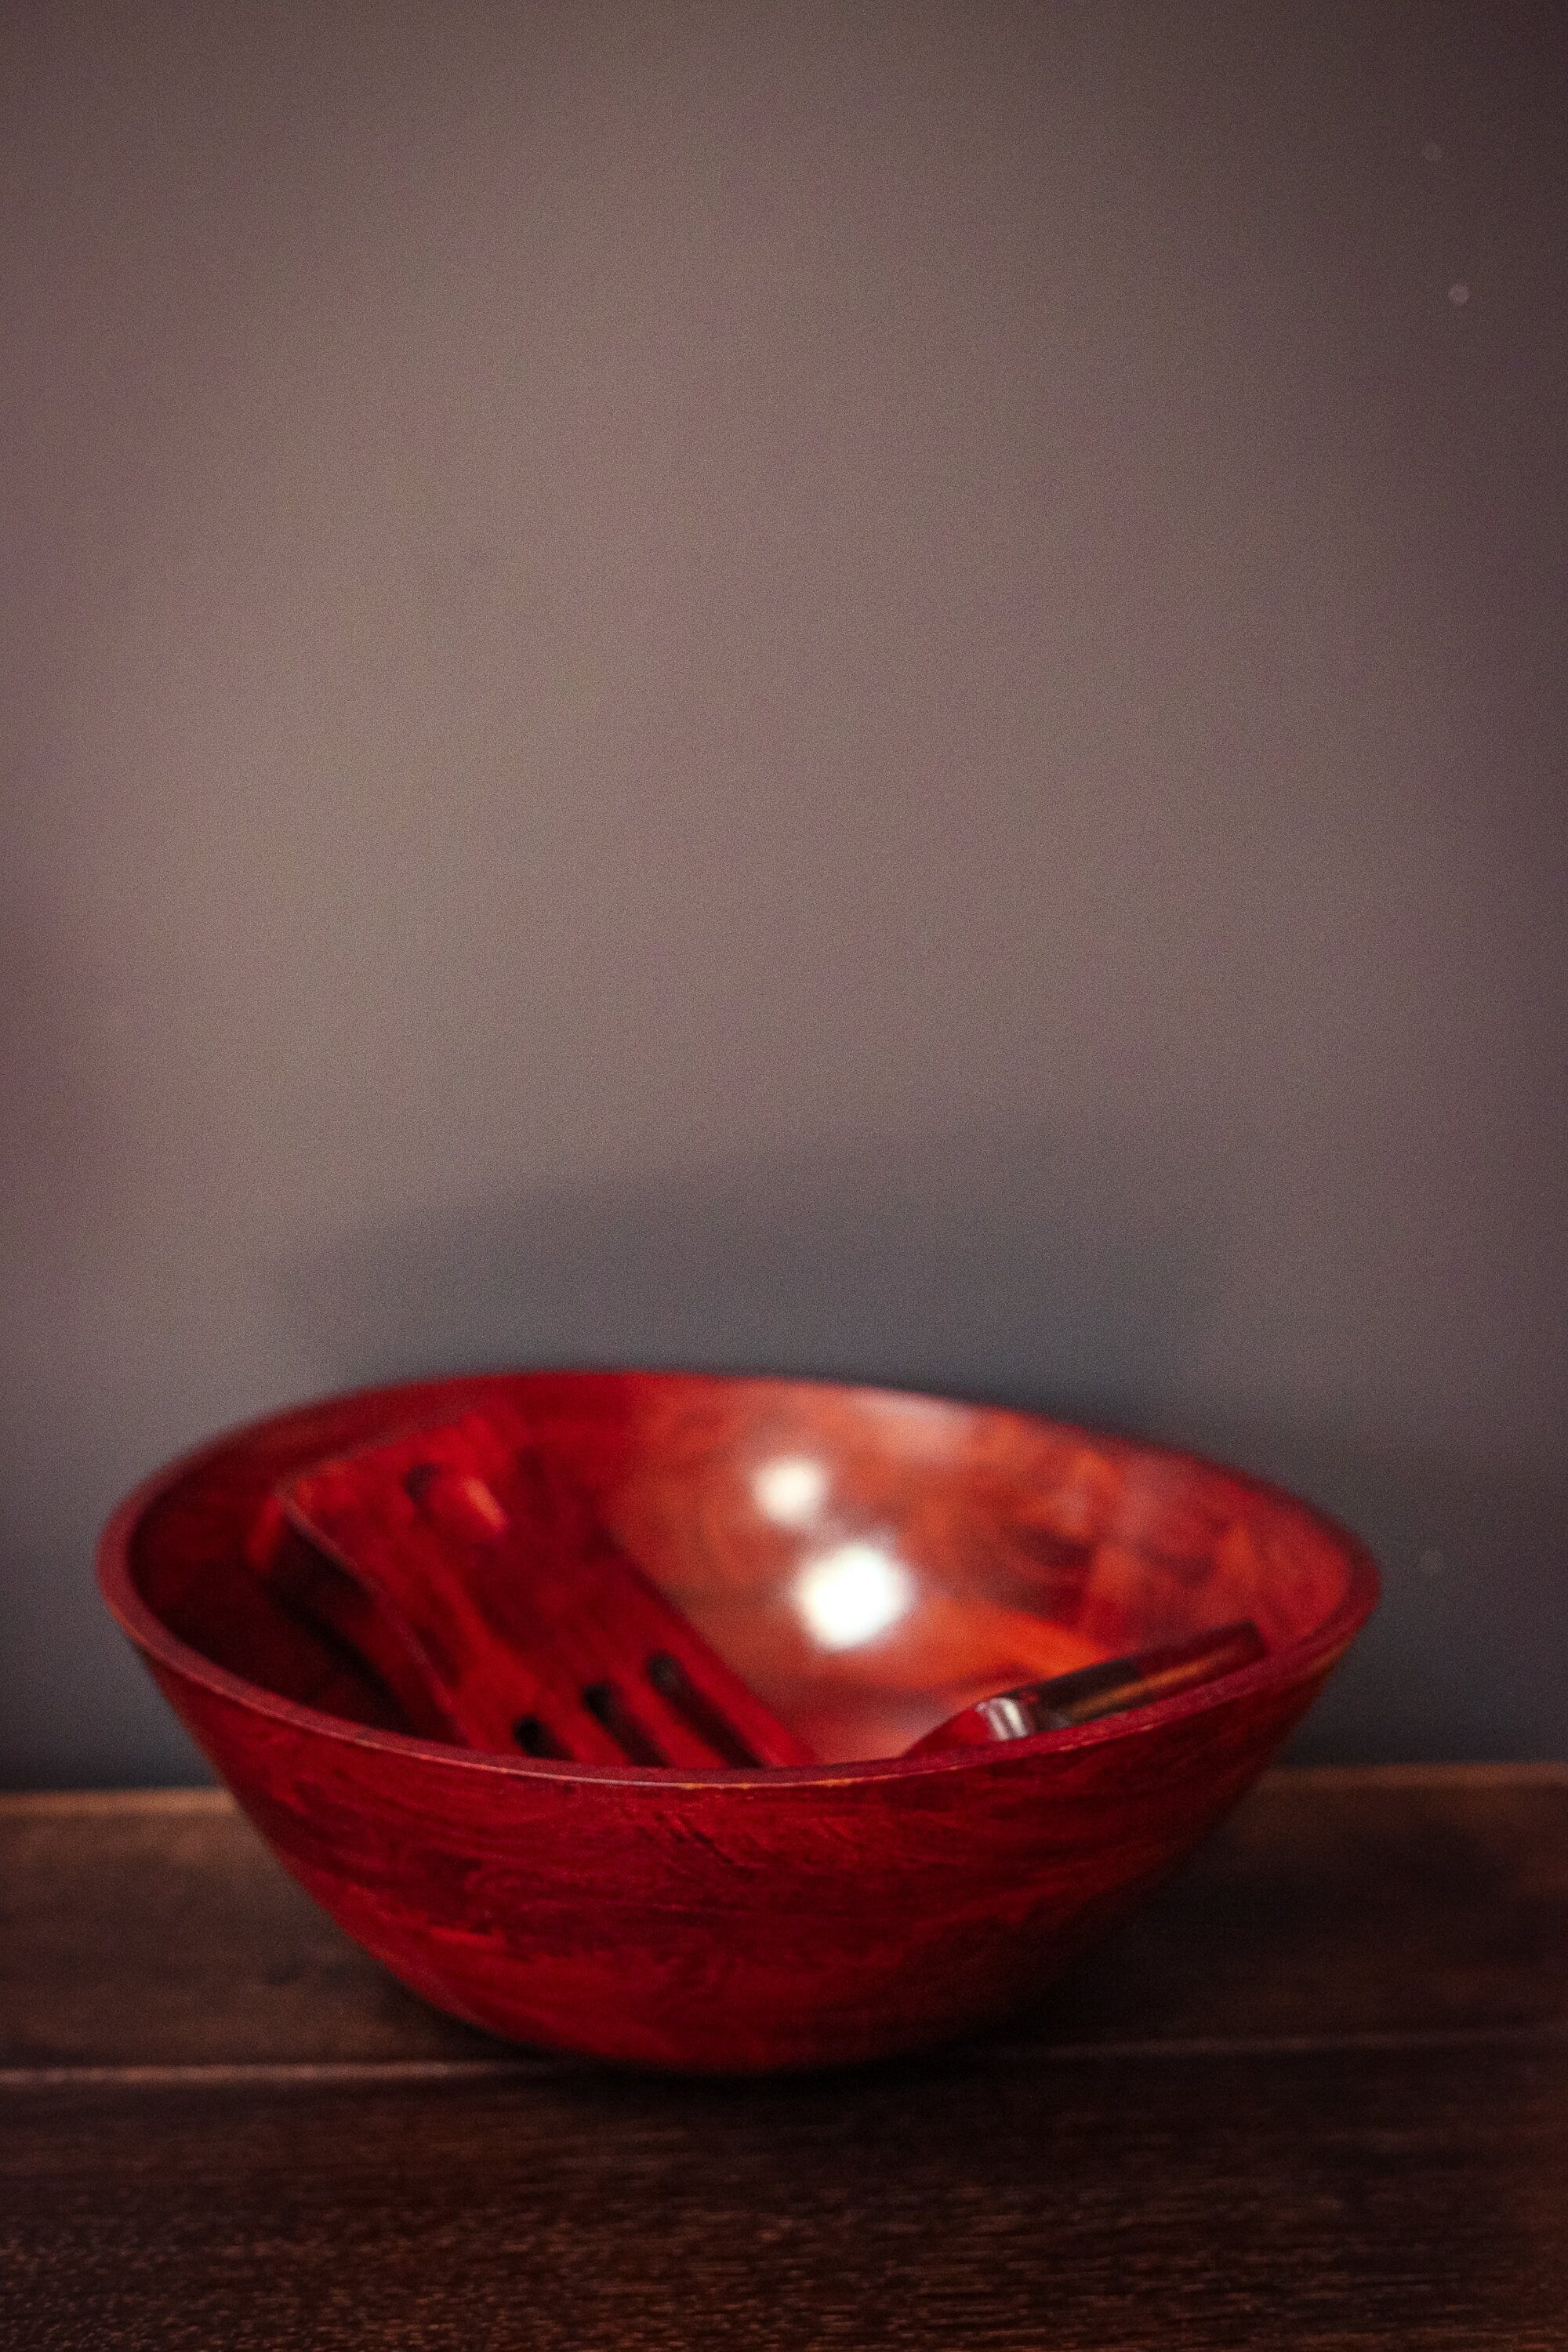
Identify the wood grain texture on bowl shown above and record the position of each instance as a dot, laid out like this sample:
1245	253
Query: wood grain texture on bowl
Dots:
866	1561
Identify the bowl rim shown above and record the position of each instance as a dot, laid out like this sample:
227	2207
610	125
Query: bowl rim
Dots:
1294	1661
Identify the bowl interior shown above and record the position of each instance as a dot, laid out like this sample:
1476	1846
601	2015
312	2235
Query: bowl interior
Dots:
868	1560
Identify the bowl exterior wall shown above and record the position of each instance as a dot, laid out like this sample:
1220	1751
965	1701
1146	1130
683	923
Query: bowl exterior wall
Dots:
734	1926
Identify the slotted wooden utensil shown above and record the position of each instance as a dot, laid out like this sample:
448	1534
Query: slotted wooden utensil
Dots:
480	1586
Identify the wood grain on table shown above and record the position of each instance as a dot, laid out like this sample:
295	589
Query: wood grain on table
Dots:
1316	2095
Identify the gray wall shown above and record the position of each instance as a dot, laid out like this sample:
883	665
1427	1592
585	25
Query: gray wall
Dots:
872	687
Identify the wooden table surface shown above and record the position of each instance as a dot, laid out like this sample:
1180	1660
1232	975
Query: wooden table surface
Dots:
1317	2094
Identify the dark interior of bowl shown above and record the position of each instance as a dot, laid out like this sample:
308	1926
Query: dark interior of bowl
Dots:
867	1561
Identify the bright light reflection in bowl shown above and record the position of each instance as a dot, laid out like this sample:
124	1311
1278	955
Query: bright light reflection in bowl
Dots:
853	1593
791	1490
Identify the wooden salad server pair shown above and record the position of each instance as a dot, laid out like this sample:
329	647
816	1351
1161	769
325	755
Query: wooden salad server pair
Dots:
478	1583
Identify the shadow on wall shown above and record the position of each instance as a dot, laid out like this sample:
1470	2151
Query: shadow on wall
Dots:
990	1266
1464	1660
1000	1268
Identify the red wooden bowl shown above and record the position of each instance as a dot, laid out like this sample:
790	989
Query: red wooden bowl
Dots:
868	1561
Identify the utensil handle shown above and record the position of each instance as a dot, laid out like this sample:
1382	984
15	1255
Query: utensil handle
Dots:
1110	1689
